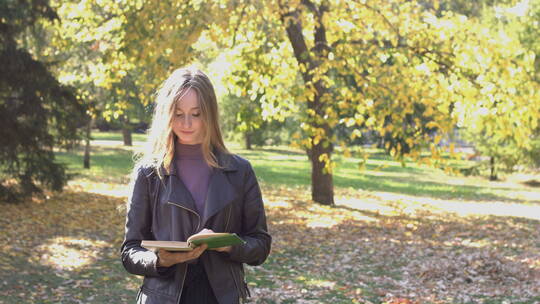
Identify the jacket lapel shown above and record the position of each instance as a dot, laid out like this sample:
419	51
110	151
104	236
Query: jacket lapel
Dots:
179	194
220	193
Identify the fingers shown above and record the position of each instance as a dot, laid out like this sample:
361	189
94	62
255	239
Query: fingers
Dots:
168	258
164	258
223	249
199	250
193	254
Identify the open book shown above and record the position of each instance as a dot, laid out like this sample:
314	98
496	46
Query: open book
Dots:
214	240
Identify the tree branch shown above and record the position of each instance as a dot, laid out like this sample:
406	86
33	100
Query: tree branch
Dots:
242	14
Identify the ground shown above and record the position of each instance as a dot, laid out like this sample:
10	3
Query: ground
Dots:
450	239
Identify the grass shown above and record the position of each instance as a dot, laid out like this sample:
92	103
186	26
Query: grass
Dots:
106	164
278	166
381	173
391	224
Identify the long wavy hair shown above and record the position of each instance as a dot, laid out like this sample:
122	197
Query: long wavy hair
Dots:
160	145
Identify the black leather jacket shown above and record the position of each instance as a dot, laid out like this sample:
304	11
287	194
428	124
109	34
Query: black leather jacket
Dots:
163	209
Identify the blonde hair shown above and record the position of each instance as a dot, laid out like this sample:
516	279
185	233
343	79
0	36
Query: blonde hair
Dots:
160	145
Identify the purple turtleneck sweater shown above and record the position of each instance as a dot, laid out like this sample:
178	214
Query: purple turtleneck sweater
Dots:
194	172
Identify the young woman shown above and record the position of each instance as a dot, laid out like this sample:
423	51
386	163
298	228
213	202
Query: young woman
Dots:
187	182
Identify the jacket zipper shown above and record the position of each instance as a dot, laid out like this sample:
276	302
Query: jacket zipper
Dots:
182	286
198	225
198	216
241	293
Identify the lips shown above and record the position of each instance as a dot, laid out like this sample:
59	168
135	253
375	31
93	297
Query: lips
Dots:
187	132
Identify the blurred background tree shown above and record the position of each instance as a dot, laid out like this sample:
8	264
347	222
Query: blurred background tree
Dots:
404	75
37	112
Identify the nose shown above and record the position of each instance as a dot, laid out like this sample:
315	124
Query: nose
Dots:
186	121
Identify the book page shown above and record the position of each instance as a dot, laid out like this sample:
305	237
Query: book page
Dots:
166	245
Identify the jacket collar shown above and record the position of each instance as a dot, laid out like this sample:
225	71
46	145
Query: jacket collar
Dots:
220	190
225	161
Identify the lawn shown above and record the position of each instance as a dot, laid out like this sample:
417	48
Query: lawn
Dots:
396	235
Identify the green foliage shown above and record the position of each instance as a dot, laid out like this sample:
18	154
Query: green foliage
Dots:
37	113
242	121
504	120
407	72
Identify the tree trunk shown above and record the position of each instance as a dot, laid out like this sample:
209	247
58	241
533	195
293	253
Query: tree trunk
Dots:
86	160
493	171
322	184
126	130
322	187
126	134
247	137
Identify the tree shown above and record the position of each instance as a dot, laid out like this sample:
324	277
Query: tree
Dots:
504	123
37	113
409	71
413	66
418	71
89	42
327	52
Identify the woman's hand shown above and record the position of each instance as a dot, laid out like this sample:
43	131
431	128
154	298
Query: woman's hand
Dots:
223	249
169	258
220	249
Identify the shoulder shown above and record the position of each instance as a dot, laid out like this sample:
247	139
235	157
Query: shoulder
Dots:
144	170
239	170
240	162
233	162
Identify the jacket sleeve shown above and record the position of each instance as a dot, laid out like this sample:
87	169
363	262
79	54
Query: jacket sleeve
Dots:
254	229
136	259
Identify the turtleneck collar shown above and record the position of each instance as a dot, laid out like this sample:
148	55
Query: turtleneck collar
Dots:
188	151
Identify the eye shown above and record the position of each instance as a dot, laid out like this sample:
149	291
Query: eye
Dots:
196	114
179	114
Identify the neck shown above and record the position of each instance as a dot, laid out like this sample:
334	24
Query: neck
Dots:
183	150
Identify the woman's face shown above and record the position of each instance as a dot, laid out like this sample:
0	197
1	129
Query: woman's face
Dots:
188	125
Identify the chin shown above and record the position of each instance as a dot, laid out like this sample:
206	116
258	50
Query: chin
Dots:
190	141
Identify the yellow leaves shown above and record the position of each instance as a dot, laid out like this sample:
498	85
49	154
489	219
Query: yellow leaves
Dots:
306	143
432	124
342	105
345	25
429	111
356	133
329	165
452	148
359	119
69	254
434	152
409	141
424	68
302	67
346	151
425	161
393	152
331	56
370	122
349	122
323	158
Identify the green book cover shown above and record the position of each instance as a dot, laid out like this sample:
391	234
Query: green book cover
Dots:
215	240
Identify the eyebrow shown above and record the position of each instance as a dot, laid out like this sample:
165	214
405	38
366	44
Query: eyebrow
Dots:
194	108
